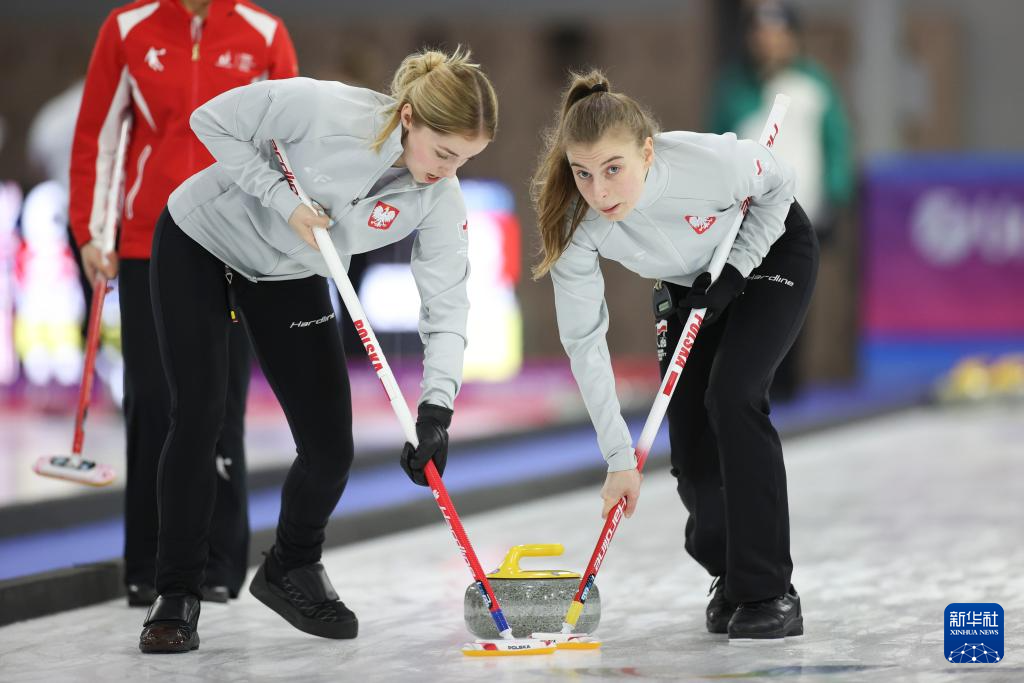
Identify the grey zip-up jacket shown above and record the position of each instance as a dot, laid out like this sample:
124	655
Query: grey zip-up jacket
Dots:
238	208
691	197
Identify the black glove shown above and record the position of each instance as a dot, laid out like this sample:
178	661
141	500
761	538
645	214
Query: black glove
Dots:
432	432
715	298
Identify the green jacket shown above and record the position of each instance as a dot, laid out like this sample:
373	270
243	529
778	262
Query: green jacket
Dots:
740	94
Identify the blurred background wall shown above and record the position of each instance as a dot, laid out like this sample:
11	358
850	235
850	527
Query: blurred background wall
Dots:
918	75
921	274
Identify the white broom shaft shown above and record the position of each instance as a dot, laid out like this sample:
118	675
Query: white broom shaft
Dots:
768	136
108	235
650	431
99	284
355	310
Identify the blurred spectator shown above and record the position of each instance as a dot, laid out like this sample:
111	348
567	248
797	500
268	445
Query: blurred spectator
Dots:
52	131
47	300
49	153
155	62
817	136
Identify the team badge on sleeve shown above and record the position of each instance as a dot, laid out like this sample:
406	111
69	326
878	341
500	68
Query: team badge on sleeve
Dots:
383	216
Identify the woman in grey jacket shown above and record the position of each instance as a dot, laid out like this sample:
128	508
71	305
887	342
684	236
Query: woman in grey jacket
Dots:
236	244
659	203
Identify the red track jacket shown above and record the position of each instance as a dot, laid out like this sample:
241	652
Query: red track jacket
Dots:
155	62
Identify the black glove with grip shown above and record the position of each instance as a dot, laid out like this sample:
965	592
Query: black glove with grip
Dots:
717	296
432	424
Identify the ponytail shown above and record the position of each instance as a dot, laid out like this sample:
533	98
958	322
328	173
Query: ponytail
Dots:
448	94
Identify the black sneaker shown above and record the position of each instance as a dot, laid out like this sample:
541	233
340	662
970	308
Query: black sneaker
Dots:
305	598
777	617
171	625
719	610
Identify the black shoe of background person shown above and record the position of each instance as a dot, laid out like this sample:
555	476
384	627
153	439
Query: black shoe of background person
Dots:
777	617
720	609
304	597
217	577
140	594
214	593
171	624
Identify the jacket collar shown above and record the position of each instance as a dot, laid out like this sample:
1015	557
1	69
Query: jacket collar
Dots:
218	8
392	148
655	183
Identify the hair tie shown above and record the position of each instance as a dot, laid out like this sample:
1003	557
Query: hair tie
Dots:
600	87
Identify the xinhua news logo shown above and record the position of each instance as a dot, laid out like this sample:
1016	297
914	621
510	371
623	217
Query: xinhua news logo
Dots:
974	633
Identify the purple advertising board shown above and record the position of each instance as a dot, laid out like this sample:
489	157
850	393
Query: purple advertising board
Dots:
943	261
944	247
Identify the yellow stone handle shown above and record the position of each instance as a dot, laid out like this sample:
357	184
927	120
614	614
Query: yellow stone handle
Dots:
510	566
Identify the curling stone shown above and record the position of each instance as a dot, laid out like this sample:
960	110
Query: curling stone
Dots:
1007	376
532	600
967	382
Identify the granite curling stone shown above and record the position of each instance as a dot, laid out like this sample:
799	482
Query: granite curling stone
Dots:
532	600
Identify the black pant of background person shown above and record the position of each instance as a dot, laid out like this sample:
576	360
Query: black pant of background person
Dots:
147	408
726	454
83	282
299	349
147	417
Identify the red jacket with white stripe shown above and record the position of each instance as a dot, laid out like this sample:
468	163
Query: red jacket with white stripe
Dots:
155	62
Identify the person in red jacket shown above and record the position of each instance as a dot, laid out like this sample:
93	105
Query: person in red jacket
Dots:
155	61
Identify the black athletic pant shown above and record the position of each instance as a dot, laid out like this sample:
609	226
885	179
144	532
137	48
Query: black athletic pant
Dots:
291	326
147	416
726	454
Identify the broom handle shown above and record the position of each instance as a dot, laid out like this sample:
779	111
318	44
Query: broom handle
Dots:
99	289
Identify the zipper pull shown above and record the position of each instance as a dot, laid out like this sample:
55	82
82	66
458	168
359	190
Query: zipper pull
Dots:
229	275
197	34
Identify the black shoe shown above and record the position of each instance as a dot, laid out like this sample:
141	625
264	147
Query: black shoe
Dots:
215	593
140	594
777	617
719	610
171	624
305	598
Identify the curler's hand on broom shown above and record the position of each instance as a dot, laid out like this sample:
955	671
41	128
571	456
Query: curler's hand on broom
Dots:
95	262
623	485
304	219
